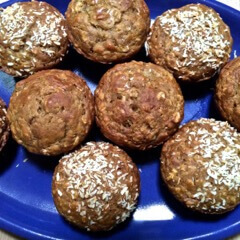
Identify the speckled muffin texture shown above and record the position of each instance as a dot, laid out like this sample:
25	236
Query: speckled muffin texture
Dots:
51	112
192	42
107	31
4	126
96	187
33	37
138	105
227	93
201	166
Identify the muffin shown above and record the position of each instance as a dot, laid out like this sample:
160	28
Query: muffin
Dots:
107	31
227	93
200	165
192	42
33	37
4	126
96	187
51	112
138	105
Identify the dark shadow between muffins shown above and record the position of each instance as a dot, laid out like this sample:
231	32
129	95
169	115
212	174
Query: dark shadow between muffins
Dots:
7	155
46	163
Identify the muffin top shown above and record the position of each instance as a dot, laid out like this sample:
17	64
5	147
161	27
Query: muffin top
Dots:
32	37
96	187
192	42
107	30
200	165
227	94
51	112
4	126
138	105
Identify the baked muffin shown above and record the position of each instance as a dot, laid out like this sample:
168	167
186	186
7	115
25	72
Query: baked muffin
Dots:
32	37
138	105
201	166
4	126
96	187
227	94
51	112
192	42
107	31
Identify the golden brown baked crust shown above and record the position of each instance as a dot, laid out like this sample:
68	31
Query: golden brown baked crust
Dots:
107	30
227	94
4	126
33	37
200	165
96	187
51	112
192	42
138	105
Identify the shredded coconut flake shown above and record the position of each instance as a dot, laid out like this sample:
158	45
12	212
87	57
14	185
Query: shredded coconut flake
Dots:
196	31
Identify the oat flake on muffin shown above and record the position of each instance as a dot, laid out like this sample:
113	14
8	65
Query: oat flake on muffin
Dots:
138	105
107	31
51	112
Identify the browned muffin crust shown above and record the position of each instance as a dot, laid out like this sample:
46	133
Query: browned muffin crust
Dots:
138	105
4	126
96	187
201	166
192	42
33	37
107	30
227	94
51	112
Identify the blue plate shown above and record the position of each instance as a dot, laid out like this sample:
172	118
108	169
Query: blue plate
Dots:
27	207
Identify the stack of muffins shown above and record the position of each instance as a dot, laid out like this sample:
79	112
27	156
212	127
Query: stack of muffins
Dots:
137	105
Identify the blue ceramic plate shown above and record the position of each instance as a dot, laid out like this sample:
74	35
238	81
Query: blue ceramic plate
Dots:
27	207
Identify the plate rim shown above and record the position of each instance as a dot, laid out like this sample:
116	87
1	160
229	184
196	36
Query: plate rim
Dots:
29	233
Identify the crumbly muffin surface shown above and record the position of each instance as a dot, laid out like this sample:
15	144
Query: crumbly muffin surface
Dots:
51	112
33	37
227	93
96	187
192	42
200	165
138	105
107	30
4	125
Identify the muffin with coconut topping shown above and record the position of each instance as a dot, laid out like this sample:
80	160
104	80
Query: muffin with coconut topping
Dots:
227	94
51	112
192	42
96	187
107	31
4	126
138	105
32	37
201	166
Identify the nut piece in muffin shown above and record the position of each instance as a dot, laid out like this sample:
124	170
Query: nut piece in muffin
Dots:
51	112
4	126
201	166
107	31
96	187
227	93
33	37
192	42
138	105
